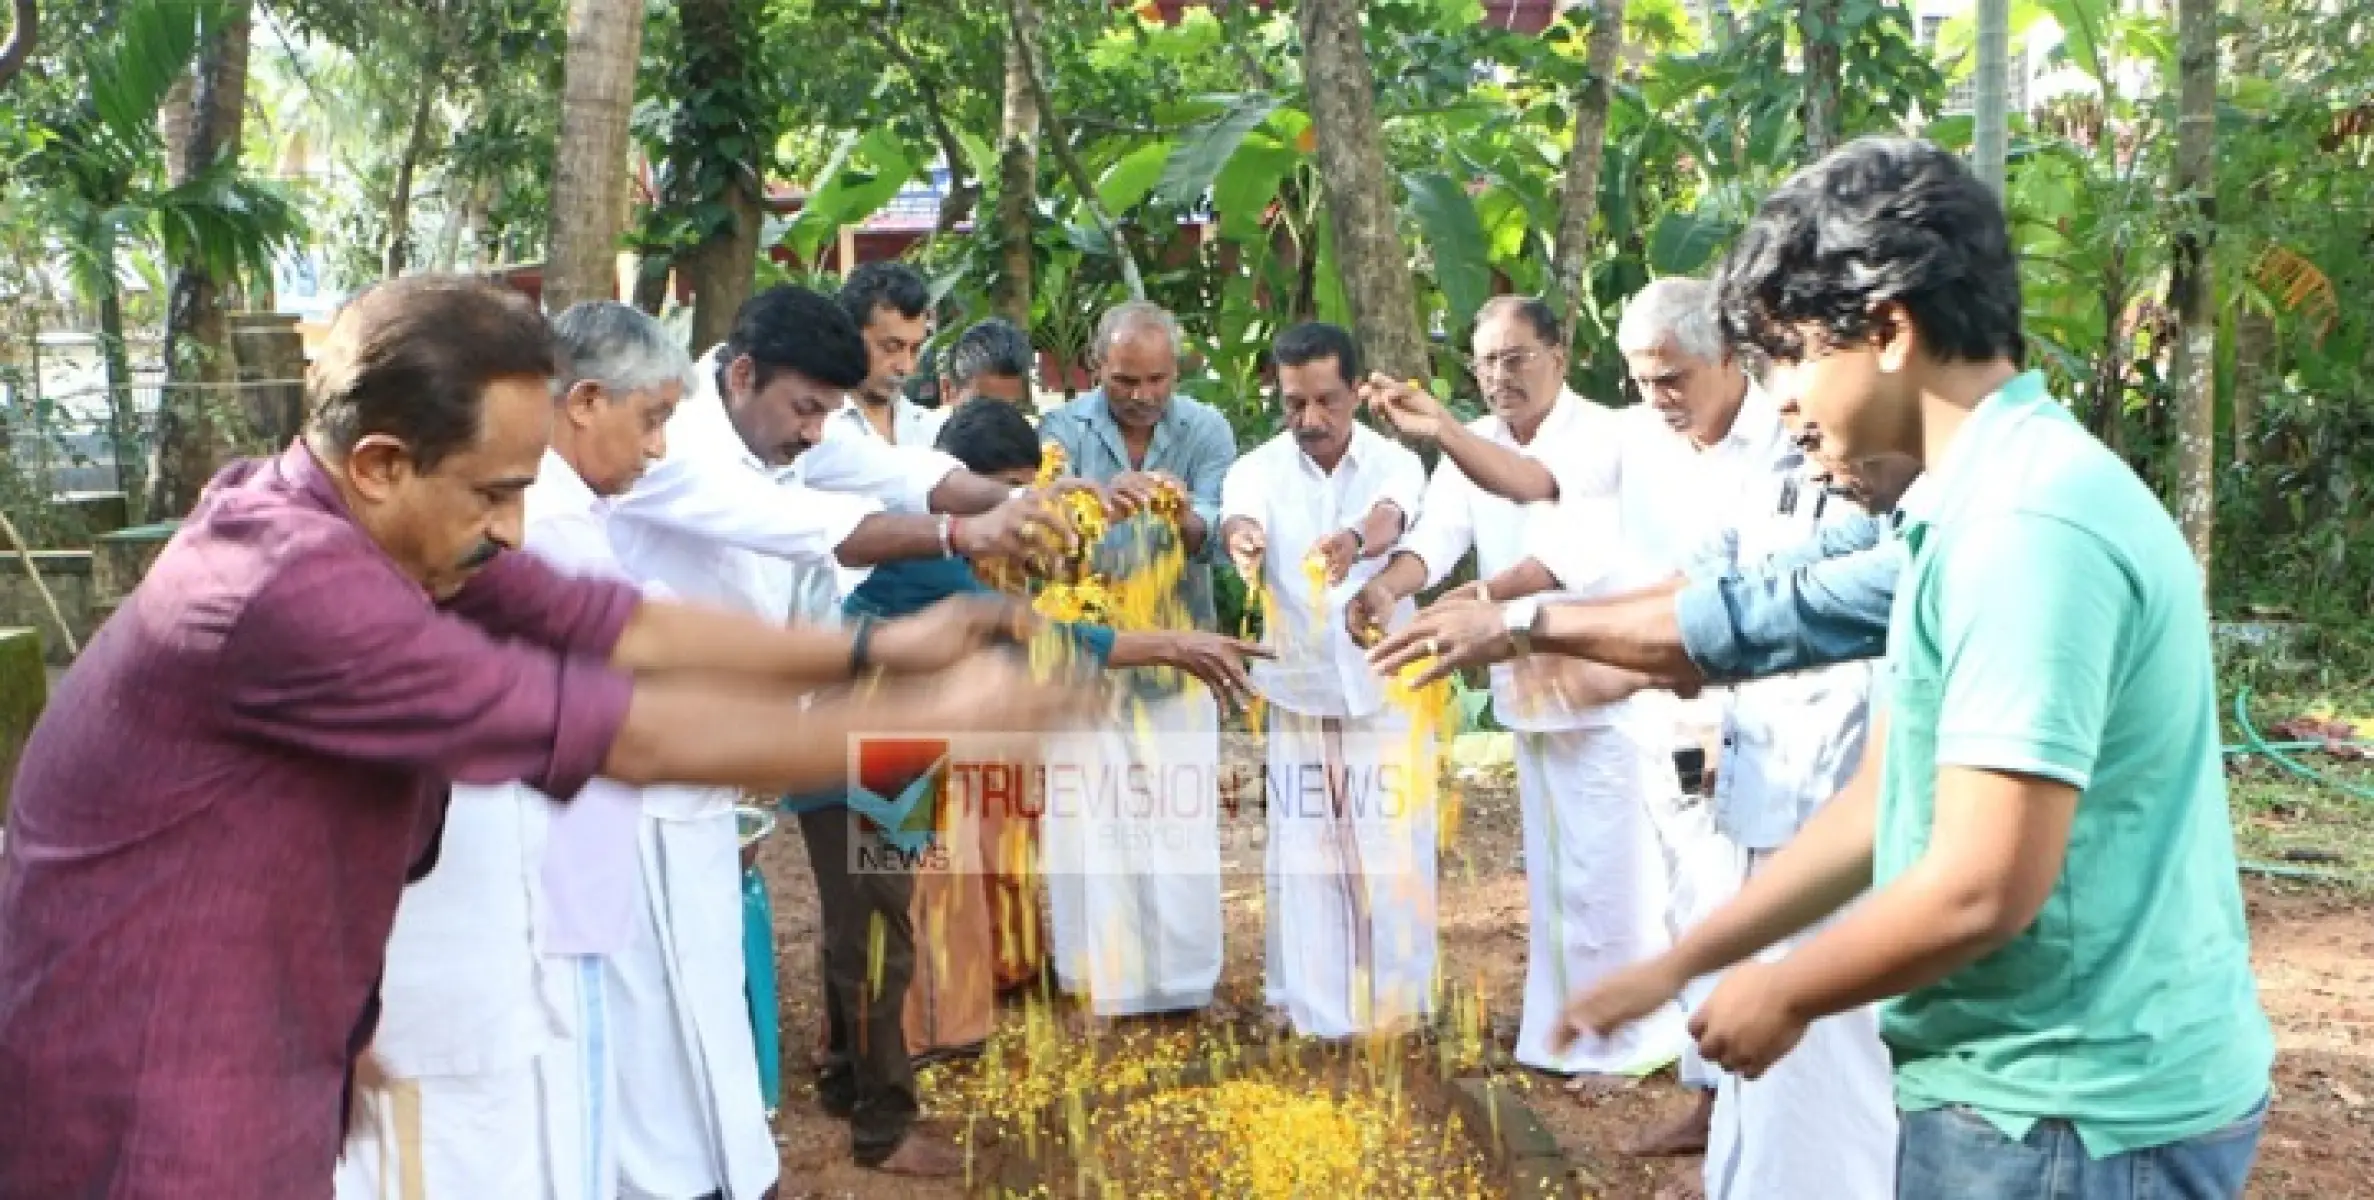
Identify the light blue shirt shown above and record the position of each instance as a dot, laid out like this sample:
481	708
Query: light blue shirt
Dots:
1825	603
1192	442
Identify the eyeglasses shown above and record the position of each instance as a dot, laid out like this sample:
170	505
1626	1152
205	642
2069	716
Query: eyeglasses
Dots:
1507	362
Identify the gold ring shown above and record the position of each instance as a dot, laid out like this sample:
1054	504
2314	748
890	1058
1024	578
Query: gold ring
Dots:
1434	649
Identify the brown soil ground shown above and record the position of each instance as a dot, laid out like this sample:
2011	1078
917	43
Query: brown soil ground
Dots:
2314	950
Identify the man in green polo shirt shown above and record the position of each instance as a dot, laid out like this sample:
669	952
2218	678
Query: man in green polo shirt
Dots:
2037	849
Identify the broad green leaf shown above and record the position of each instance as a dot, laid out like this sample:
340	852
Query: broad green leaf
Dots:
2085	28
1245	187
1447	215
1684	242
1207	148
1128	180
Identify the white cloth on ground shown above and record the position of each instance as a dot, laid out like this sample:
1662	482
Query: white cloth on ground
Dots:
1350	901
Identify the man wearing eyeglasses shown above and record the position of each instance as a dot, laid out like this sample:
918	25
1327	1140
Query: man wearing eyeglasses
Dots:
1594	869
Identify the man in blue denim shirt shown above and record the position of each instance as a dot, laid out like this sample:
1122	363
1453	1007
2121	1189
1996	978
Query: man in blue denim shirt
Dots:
1136	911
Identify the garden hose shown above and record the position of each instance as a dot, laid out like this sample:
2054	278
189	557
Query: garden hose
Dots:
2254	744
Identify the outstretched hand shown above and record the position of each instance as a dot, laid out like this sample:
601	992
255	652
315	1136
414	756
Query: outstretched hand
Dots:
949	631
1455	632
1411	412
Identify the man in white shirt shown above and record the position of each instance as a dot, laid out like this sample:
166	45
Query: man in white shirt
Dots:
1350	910
492	1029
891	304
1595	875
758	502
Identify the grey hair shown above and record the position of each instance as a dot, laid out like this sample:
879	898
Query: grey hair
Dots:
1677	308
1133	316
618	346
993	347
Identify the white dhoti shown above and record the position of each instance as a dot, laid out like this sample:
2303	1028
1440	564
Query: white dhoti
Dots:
1596	883
1704	870
1820	1122
691	1117
1131	845
1350	870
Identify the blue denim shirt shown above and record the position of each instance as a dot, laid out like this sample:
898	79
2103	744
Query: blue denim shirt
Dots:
1825	603
1192	441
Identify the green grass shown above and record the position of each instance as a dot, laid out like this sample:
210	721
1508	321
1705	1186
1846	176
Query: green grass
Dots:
2298	825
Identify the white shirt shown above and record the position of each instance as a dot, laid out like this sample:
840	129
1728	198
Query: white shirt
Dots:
713	522
468	989
1672	495
1791	741
1319	671
1457	515
911	424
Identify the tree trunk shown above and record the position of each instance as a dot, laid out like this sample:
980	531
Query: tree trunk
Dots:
1017	175
1817	26
122	418
721	269
26	27
589	178
1990	91
176	122
1569	267
2254	348
1370	258
394	254
198	421
1021	17
2193	366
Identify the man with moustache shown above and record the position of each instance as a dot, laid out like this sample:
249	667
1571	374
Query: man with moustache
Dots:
1350	912
770	485
1587	774
1136	903
216	815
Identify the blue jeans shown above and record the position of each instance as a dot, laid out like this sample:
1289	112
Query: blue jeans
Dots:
1952	1153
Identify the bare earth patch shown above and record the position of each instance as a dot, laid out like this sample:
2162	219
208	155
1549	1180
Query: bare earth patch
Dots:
2314	949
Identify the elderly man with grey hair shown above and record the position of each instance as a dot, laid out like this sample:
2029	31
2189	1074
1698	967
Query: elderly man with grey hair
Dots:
494	965
1136	901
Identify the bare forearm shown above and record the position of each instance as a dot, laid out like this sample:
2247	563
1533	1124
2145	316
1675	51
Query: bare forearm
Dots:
1824	867
666	638
889	537
1192	530
1910	935
1379	528
678	732
1403	574
1638	632
1151	648
1497	469
1528	578
965	494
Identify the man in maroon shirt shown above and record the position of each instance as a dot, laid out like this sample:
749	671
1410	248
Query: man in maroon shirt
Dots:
215	818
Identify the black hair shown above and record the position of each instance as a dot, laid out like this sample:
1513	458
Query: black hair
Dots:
993	347
988	437
1533	310
789	328
1881	219
411	358
1312	341
884	284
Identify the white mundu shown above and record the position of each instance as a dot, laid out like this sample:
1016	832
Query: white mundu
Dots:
1349	917
1822	1120
496	1048
1595	876
712	522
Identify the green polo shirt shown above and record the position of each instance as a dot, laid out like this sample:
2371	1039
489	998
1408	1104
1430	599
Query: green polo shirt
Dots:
2051	623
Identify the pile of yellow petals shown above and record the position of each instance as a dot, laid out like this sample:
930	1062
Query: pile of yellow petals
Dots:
1260	1139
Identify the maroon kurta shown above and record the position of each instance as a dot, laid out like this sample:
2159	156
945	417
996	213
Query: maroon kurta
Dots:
213	822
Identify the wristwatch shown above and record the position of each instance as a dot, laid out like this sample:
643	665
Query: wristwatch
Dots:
1359	542
1517	617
